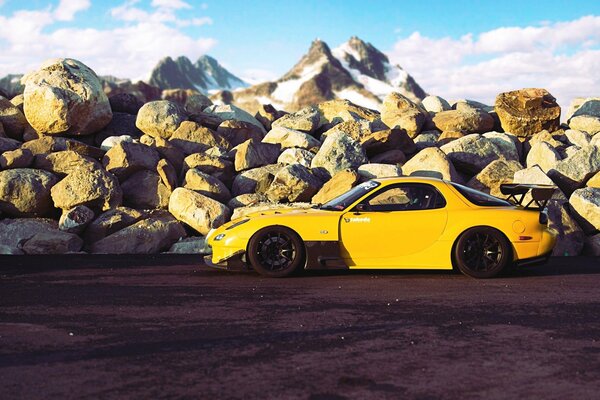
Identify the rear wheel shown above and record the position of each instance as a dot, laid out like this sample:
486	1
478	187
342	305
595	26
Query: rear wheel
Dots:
276	251
482	252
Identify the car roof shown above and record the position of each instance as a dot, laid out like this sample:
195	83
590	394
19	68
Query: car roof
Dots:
409	179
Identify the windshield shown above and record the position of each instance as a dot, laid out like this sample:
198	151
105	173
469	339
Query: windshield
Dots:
343	201
479	198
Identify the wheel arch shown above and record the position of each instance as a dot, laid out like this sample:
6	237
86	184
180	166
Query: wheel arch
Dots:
456	239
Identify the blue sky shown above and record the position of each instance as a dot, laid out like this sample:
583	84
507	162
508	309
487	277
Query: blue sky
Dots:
455	49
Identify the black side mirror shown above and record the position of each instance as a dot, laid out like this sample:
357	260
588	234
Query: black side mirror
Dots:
361	208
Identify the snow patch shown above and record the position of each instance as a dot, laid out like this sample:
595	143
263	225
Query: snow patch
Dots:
286	90
357	98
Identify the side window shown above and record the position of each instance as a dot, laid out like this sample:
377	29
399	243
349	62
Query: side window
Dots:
407	196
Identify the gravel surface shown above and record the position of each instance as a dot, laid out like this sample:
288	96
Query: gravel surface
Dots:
165	327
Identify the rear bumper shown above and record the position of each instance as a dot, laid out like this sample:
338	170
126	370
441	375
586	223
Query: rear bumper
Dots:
234	263
534	260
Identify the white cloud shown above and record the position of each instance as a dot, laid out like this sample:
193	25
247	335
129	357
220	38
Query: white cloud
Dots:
563	57
129	50
67	9
257	75
174	4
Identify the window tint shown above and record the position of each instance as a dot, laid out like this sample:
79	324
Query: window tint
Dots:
407	196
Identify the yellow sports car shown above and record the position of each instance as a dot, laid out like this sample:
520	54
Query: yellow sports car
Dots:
399	223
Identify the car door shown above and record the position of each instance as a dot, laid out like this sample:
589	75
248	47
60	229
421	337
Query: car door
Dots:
394	222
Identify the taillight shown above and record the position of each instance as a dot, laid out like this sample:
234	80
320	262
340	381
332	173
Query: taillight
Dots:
544	217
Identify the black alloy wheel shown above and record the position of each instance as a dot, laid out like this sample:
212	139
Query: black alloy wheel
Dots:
482	252
275	251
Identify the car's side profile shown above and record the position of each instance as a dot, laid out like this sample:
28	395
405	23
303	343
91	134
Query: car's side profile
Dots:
403	223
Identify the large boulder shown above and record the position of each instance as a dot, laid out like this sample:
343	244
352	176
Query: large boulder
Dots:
578	138
110	222
574	171
341	182
464	119
125	103
585	203
495	174
292	156
236	132
356	129
167	174
206	185
191	245
64	162
152	235
76	219
159	118
509	145
145	190
231	112
65	97
112	141
543	155
293	183
166	150
125	159
253	180
245	200
336	111
7	144
435	104
338	152
527	111
570	237
306	120
191	137
388	139
12	119
53	242
372	171
431	162
198	211
472	153
266	114
15	232
399	111
94	188
587	117
19	158
287	138
252	154
26	192
389	157
218	167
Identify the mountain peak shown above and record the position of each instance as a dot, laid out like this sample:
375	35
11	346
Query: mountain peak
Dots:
205	75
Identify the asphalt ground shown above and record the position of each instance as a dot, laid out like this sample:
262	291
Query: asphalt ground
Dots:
168	327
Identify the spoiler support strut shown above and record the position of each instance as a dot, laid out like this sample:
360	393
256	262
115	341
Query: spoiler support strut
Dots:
540	194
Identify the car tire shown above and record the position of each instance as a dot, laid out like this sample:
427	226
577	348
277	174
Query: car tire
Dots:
276	251
482	252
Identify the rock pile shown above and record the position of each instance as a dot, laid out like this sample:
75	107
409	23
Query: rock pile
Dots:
80	171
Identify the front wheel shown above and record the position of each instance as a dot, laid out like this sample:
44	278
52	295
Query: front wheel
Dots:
482	252
275	251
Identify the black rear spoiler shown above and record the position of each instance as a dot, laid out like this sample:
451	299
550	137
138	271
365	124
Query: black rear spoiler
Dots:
540	194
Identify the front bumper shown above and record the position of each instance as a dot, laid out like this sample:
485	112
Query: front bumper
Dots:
237	262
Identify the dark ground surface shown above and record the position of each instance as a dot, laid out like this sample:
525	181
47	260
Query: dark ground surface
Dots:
102	327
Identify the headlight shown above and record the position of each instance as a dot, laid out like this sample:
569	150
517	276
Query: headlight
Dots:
243	221
219	237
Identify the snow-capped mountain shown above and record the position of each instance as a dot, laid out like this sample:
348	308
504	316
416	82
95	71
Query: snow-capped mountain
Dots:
356	71
206	75
373	70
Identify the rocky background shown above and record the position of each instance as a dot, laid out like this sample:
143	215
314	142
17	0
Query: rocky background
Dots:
81	171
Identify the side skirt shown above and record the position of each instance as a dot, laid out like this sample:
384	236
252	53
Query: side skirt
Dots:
324	255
